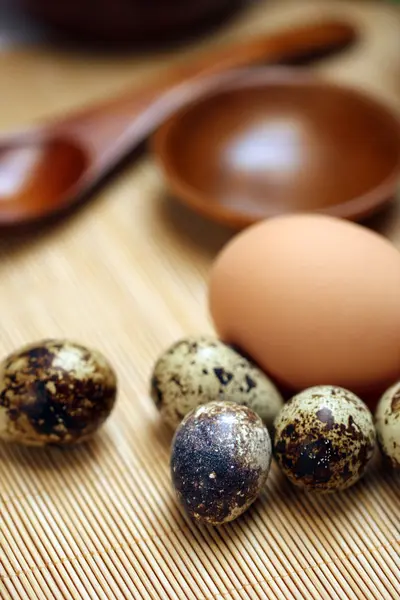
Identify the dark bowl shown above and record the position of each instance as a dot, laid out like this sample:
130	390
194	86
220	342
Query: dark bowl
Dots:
144	22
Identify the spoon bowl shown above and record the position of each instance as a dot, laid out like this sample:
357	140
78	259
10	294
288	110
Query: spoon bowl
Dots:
278	141
35	172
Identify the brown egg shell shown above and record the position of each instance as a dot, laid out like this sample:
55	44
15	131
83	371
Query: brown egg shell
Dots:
312	299
55	392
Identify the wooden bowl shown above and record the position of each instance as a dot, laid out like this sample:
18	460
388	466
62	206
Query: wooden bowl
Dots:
271	141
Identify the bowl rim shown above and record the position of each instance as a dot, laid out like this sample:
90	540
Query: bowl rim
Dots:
355	209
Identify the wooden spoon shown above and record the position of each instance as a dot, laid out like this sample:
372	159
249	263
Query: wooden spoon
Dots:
50	168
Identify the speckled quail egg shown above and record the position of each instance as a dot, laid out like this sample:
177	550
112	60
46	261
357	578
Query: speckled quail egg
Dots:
387	423
201	369
324	438
221	456
54	392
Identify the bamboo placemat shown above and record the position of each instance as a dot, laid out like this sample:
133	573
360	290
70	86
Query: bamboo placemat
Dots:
128	274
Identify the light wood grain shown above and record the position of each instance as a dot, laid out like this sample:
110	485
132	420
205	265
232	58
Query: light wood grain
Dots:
127	274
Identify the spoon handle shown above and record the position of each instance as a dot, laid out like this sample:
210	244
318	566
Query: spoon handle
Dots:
99	126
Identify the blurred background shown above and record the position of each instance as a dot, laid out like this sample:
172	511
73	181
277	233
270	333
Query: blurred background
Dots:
56	57
64	51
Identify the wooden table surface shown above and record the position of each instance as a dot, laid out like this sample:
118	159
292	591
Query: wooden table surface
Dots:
127	273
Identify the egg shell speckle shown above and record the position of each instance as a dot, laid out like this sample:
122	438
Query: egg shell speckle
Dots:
324	438
201	369
221	456
387	422
54	392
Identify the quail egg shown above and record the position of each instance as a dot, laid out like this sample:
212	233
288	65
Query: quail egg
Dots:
387	422
201	369
221	456
324	438
54	392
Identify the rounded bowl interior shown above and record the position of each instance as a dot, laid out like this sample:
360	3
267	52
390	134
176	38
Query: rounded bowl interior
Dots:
277	142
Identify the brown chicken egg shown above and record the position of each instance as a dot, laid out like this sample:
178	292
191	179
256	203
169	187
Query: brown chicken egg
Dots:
54	392
312	299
